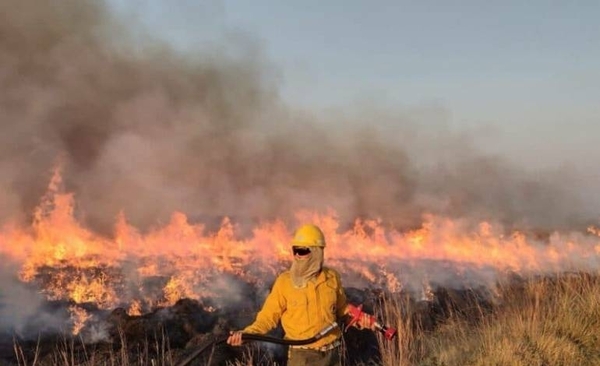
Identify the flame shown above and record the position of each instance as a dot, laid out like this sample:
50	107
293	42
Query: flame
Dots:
181	259
79	317
135	308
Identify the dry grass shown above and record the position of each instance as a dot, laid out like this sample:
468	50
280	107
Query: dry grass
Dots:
72	352
544	321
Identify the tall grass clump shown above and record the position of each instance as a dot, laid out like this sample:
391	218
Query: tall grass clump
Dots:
553	320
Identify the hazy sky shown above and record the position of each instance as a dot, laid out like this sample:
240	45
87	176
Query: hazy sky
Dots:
529	70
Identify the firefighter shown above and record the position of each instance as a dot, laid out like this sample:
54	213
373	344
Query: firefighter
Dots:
306	299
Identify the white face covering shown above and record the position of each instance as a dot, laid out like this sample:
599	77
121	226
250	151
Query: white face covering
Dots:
306	268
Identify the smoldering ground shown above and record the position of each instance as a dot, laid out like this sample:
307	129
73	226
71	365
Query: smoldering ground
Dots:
146	130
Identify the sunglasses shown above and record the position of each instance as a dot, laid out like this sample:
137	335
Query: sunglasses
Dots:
301	251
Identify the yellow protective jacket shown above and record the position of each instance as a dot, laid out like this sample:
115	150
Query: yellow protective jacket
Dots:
303	312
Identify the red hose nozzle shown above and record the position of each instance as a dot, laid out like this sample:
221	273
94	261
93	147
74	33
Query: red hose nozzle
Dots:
356	313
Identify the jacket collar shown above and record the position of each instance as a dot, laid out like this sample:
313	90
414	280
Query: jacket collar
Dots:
322	277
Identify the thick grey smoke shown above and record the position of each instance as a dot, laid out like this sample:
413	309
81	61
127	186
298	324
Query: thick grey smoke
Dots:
149	131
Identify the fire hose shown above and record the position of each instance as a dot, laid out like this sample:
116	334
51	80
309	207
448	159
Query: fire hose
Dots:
259	337
355	312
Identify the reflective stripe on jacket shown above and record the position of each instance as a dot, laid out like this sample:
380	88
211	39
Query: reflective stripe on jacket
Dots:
303	312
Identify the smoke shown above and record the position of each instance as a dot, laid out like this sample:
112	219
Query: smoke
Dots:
23	310
146	130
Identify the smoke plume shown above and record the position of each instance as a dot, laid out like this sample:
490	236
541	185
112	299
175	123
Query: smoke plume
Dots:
146	130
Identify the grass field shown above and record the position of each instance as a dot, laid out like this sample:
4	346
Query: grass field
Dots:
541	321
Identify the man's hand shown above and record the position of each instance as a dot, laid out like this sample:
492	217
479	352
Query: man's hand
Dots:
235	338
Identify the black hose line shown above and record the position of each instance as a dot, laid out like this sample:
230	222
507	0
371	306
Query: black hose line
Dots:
257	337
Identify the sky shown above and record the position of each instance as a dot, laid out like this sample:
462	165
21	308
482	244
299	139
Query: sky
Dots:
516	70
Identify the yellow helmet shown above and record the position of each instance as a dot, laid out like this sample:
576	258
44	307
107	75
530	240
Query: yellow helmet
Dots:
309	236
